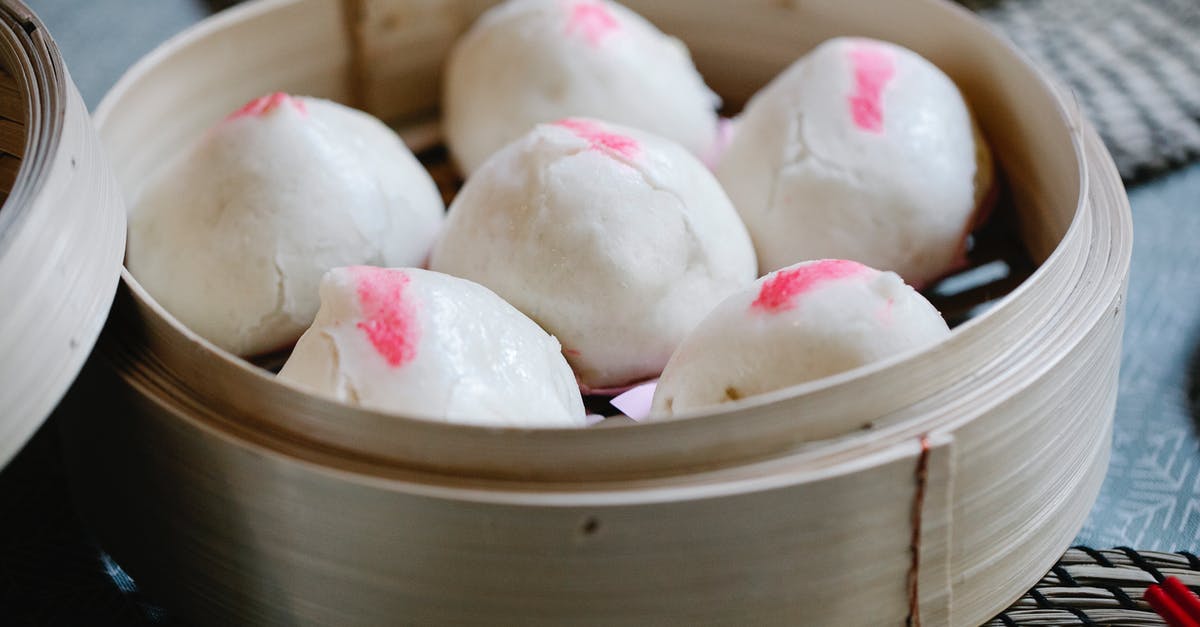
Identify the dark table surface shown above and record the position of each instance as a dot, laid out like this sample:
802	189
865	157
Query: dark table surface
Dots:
51	574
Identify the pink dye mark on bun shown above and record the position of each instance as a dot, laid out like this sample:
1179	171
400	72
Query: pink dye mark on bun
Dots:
592	20
885	313
780	290
266	104
601	139
389	320
874	67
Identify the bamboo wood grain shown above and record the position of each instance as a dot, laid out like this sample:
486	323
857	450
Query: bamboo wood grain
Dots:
62	229
964	469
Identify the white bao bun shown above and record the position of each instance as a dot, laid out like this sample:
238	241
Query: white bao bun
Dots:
614	240
531	61
860	150
432	346
234	235
804	322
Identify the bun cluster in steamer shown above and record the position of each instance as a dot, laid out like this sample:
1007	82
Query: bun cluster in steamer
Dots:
591	248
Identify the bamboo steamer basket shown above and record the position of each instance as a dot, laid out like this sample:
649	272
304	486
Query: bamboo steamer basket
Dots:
933	488
62	229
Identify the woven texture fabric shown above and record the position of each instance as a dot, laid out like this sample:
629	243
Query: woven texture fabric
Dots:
1090	587
1134	66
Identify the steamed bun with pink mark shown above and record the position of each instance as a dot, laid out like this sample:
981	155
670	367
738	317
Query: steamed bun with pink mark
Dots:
860	150
526	62
804	322
614	240
233	237
432	346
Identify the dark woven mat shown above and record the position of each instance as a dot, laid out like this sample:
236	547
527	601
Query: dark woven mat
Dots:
1134	65
1090	587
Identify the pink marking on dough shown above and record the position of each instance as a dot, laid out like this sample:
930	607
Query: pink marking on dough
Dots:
779	291
593	21
266	104
885	312
874	67
601	139
389	320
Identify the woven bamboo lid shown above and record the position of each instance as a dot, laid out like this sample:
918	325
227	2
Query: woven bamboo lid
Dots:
62	228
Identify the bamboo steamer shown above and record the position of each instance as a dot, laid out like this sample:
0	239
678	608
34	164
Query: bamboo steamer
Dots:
933	488
62	229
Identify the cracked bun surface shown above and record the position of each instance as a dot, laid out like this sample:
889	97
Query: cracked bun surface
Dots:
804	322
233	236
614	240
432	346
526	62
861	150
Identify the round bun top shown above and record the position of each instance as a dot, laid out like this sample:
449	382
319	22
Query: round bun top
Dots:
804	322
614	240
531	61
233	236
860	150
428	345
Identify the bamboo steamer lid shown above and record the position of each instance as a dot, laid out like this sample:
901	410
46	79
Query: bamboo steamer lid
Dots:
932	488
62	229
